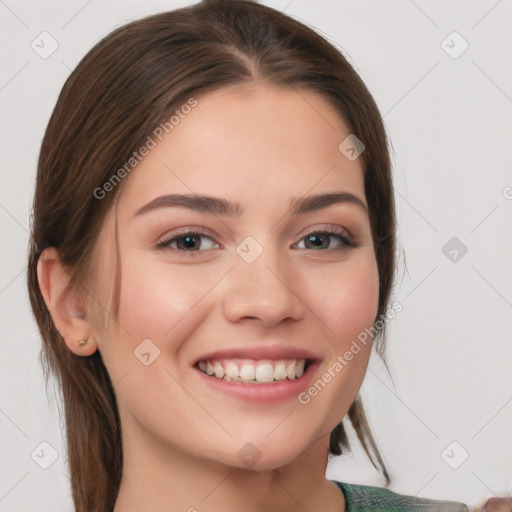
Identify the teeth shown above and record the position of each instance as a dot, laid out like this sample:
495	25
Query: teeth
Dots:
254	371
300	367
218	370
265	373
232	370
280	371
291	370
248	372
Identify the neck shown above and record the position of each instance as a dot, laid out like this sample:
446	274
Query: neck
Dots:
155	479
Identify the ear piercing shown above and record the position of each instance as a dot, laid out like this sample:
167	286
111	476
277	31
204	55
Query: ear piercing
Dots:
83	342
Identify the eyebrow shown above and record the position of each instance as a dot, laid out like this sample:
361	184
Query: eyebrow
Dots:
320	201
224	208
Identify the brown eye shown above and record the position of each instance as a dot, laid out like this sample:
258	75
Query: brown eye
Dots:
188	242
318	241
321	240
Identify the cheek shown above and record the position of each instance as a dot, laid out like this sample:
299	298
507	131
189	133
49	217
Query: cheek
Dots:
154	300
346	302
165	304
151	303
347	299
162	301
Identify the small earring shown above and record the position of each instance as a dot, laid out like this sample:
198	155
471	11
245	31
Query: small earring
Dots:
83	342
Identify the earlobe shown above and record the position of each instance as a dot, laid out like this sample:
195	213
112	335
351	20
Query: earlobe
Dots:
65	304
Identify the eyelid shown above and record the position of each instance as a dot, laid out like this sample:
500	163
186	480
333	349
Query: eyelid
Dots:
347	239
321	228
169	236
333	229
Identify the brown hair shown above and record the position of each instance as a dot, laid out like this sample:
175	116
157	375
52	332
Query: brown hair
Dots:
127	85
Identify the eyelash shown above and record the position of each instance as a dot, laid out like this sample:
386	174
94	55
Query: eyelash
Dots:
166	242
346	241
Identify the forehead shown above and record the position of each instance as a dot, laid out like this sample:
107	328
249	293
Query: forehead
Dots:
256	144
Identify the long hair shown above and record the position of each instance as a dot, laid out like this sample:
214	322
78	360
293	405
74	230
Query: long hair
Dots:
128	84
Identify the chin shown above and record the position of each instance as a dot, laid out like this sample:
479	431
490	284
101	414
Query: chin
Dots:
264	454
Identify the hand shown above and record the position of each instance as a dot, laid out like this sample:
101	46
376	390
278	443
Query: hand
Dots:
496	504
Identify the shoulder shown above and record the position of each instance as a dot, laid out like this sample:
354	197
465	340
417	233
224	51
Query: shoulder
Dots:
363	498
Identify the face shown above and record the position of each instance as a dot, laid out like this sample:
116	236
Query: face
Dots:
245	251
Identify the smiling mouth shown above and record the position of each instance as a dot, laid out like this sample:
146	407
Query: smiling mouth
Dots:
253	371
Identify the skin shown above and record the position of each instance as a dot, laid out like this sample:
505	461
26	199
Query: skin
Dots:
262	147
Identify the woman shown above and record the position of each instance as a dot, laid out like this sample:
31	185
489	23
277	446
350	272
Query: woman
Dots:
211	259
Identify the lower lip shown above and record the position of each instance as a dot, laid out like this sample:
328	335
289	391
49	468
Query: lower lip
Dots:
262	393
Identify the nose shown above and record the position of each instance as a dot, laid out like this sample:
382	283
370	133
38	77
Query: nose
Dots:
262	291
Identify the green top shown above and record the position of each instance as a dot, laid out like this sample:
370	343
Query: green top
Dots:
362	498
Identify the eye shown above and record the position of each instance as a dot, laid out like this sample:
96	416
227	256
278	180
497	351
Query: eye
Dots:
188	241
326	239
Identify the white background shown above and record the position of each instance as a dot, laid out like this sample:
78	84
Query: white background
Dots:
450	123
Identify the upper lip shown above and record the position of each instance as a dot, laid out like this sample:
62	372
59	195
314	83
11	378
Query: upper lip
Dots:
275	352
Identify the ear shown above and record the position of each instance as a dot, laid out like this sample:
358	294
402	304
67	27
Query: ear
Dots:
66	305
